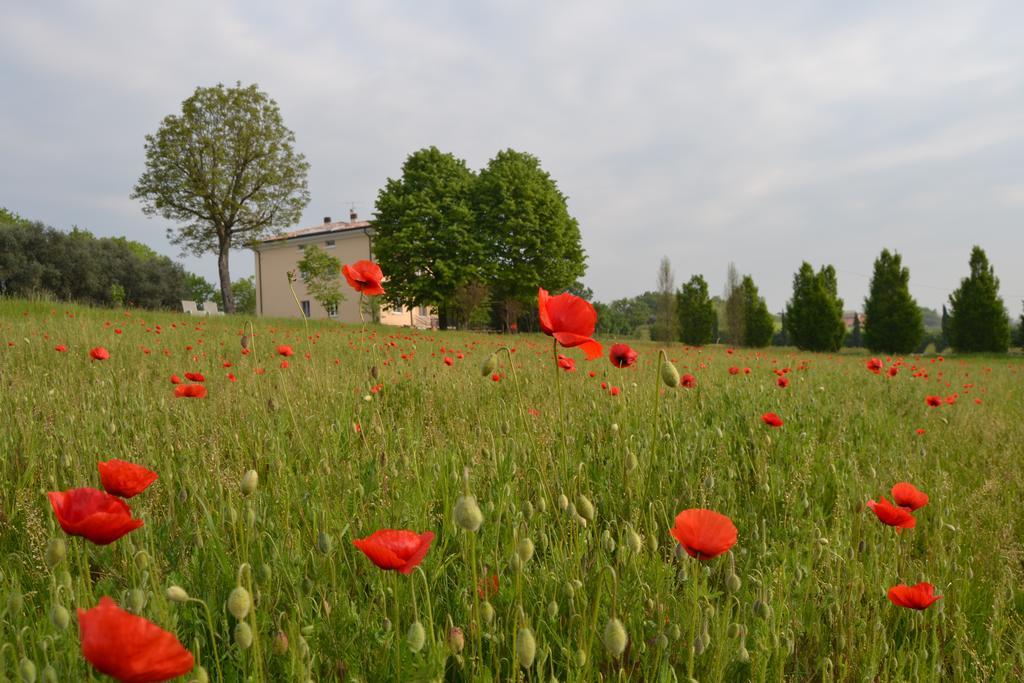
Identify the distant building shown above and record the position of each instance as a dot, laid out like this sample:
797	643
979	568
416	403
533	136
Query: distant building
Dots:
346	241
848	319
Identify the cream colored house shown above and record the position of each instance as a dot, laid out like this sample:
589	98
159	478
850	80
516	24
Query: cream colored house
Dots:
348	242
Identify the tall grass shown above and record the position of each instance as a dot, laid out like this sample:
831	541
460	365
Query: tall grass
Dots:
336	461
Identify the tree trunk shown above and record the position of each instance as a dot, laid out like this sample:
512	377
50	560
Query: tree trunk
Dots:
225	278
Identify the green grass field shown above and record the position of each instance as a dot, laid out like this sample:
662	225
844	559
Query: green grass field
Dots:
340	454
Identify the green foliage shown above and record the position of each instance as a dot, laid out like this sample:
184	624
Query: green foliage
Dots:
225	167
855	340
321	273
8	217
36	259
758	323
199	289
627	317
666	321
814	316
735	307
892	319
1020	331
697	316
244	293
978	320
531	239
426	238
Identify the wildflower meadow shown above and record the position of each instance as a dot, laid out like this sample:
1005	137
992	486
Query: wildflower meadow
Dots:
225	499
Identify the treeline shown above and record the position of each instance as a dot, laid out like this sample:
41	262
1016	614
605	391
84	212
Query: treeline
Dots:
475	245
891	322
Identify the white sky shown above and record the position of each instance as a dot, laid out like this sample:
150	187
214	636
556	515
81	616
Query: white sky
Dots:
761	133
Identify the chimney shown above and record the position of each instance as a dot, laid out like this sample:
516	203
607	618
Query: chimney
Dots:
352	215
327	219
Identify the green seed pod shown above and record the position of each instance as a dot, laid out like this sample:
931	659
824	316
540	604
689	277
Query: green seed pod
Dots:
456	640
514	563
585	508
416	636
487	612
526	647
280	645
49	674
324	543
27	670
581	657
524	549
250	516
176	594
615	637
528	510
563	502
249	482
568	590
264	573
709	482
489	365
552	609
467	514
669	374
201	675
243	635
699	645
652	540
14	602
59	616
239	603
733	583
136	600
631	462
662	641
675	632
742	655
633	541
542	505
762	610
607	541
56	551
733	631
65	579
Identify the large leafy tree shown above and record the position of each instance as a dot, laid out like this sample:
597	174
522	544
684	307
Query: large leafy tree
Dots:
321	273
530	237
227	168
814	316
425	237
978	320
758	323
893	322
697	315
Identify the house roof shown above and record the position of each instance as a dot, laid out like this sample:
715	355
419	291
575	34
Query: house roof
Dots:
331	228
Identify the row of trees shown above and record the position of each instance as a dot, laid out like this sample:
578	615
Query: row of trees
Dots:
977	320
458	240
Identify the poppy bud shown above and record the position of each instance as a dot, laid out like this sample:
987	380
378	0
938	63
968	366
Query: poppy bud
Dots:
136	600
699	645
528	510
65	579
552	609
489	365
514	563
742	655
239	603
324	543
55	552
176	594
581	657
49	674
374	372
250	516
585	508
416	636
467	514
249	481
762	610
542	505
675	631
615	637
14	602
60	616
201	675
607	541
569	590
243	635
633	541
733	631
709	481
487	612
733	583
631	462
669	374
27	670
264	573
526	647
563	502
524	549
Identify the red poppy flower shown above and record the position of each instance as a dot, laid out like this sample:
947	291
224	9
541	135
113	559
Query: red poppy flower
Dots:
566	363
130	648
284	364
615	391
933	401
908	496
364	276
195	377
734	370
125	479
175	379
190	391
893	370
783	382
285	350
570	320
99	353
448	361
892	515
622	356
704	534
772	420
919	597
231	377
919	431
60	348
92	514
396	549
688	381
487	587
875	365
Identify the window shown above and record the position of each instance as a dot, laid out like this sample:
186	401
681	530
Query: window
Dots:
423	310
329	244
305	308
332	310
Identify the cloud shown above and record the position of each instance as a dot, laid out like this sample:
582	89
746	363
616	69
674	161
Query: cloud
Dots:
757	134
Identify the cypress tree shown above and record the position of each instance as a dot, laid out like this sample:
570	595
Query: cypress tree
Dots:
855	340
978	320
814	316
697	316
892	318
